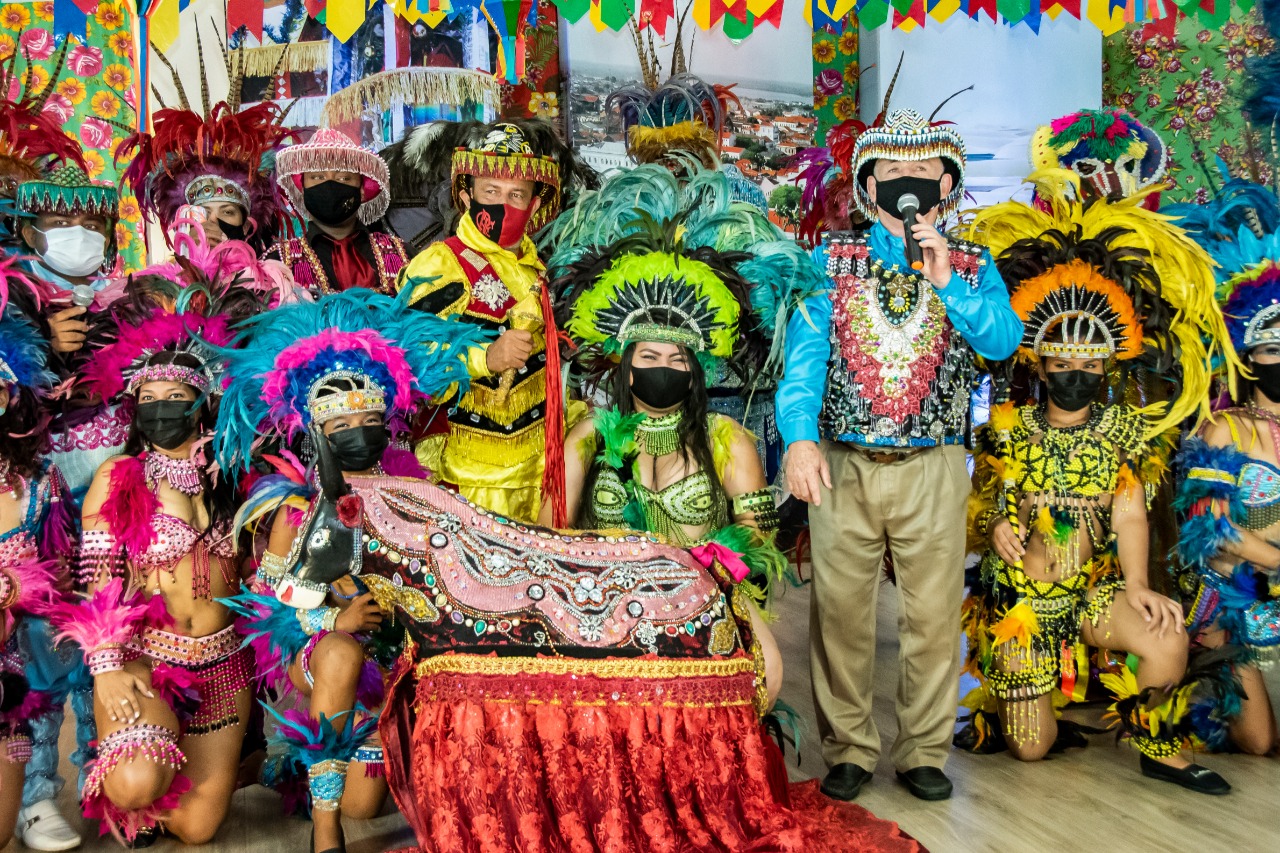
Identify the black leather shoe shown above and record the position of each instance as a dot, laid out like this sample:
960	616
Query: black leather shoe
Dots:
1193	777
844	781
926	783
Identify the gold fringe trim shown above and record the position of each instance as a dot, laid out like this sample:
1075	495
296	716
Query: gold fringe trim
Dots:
506	407
628	668
400	86
491	448
298	58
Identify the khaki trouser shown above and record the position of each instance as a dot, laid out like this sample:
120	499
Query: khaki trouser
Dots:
917	505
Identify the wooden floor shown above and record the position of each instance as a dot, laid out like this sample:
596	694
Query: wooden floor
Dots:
1086	800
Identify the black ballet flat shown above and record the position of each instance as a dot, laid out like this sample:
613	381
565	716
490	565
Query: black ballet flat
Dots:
146	837
1193	777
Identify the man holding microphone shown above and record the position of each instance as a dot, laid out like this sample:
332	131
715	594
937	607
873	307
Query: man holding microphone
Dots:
874	409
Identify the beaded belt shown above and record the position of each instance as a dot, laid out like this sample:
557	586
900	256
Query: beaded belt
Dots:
221	665
187	652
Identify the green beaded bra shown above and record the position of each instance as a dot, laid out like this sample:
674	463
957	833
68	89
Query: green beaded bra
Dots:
619	498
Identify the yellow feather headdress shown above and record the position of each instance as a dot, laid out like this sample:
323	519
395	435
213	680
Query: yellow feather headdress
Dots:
1167	276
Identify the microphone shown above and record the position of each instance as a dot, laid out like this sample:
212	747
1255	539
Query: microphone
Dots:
82	296
909	209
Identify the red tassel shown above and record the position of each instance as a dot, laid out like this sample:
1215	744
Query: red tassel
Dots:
553	488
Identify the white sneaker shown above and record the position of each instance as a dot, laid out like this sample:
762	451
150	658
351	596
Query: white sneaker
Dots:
42	827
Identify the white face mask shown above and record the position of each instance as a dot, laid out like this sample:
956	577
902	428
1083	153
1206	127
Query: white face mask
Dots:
74	251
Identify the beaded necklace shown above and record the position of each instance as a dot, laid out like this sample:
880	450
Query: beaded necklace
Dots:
182	474
660	436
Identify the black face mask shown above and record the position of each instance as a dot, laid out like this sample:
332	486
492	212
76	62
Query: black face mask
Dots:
1268	379
166	424
359	448
927	190
1073	390
231	232
331	203
661	387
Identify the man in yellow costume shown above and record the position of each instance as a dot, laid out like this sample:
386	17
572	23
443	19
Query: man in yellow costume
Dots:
492	443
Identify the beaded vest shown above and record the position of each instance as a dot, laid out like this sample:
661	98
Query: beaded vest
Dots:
899	374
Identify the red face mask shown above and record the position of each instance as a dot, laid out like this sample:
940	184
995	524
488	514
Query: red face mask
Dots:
501	223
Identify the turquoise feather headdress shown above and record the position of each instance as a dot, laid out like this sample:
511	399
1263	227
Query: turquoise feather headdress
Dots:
394	358
675	260
1240	229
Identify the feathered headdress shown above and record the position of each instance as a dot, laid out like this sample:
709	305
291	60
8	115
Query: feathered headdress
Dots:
1240	228
30	139
24	353
683	117
224	156
649	256
1117	272
1109	150
905	135
348	352
827	173
167	310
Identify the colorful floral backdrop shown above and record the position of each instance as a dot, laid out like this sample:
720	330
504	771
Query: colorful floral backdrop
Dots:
835	76
94	96
1184	82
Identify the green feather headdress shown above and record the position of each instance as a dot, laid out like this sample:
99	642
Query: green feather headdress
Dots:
650	257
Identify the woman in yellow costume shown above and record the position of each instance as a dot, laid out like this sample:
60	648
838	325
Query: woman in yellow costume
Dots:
1062	486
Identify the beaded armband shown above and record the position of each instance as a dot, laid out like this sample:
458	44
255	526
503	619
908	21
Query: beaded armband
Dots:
318	619
272	567
761	505
985	519
100	556
108	658
328	779
10	589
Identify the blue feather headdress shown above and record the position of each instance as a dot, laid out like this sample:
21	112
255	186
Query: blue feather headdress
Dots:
1240	228
372	352
649	211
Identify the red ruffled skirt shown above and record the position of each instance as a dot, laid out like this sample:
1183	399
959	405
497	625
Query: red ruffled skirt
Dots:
620	756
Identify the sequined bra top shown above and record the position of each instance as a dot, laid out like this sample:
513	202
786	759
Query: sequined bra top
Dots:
18	545
175	539
1259	487
691	501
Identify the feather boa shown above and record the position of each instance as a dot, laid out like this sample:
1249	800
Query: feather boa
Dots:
110	616
271	628
22	347
371	688
1204	533
59	533
130	506
37	586
311	740
287	778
